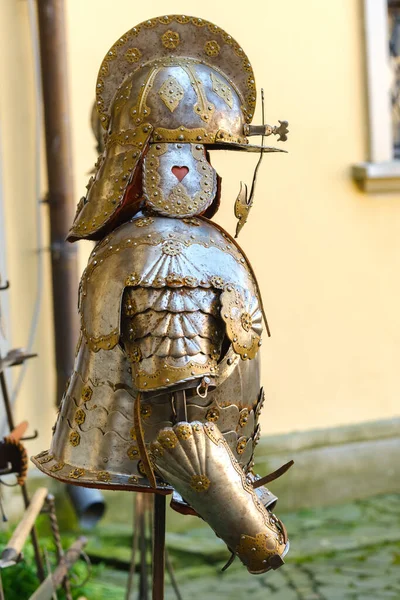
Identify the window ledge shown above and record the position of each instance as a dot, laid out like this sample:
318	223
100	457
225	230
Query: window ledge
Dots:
378	177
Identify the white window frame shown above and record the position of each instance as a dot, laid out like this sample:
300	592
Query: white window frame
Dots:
381	173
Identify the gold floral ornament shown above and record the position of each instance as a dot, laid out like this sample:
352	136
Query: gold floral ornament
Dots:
167	438
217	282
212	414
243	318
175	280
157	450
133	452
87	393
140	466
46	459
103	476
133	55
212	48
171	39
190	281
80	416
132	279
172	248
74	438
57	467
134	354
241	445
76	473
243	417
183	432
129	307
200	483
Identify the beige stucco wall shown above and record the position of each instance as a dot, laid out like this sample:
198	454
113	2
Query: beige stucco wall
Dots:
17	145
327	256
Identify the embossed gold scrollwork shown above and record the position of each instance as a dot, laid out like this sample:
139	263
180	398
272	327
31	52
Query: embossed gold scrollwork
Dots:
171	93
222	90
243	319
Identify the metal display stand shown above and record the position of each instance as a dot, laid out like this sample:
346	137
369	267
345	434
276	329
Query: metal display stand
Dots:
149	520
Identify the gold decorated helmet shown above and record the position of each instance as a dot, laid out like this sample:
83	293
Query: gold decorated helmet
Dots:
173	79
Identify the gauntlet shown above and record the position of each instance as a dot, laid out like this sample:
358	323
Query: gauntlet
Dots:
165	395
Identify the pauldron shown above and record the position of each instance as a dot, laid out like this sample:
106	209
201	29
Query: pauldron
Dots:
165	395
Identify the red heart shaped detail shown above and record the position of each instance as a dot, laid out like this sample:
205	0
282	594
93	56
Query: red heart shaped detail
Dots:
180	172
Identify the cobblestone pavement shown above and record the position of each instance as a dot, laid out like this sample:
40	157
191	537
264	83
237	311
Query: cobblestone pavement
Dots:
345	552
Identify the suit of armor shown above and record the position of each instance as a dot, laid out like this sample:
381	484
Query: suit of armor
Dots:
165	395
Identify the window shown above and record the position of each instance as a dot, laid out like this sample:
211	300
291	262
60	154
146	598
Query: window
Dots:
381	172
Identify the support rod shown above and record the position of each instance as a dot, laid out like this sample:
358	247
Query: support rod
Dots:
159	547
57	542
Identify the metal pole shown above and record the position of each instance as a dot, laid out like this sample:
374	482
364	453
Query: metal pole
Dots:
135	539
57	542
60	184
159	547
143	582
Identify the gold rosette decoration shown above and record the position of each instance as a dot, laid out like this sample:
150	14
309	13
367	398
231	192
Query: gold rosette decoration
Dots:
242	314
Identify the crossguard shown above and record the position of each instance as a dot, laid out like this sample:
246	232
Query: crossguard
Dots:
280	130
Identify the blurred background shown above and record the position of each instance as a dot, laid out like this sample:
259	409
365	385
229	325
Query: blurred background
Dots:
323	238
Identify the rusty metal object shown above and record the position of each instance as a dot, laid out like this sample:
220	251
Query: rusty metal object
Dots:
57	542
12	452
14	357
60	195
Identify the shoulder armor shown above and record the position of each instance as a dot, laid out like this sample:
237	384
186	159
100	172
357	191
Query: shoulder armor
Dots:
158	252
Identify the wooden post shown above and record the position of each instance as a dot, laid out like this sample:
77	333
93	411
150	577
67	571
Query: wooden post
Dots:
23	529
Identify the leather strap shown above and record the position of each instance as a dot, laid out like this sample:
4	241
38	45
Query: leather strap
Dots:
148	469
272	476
